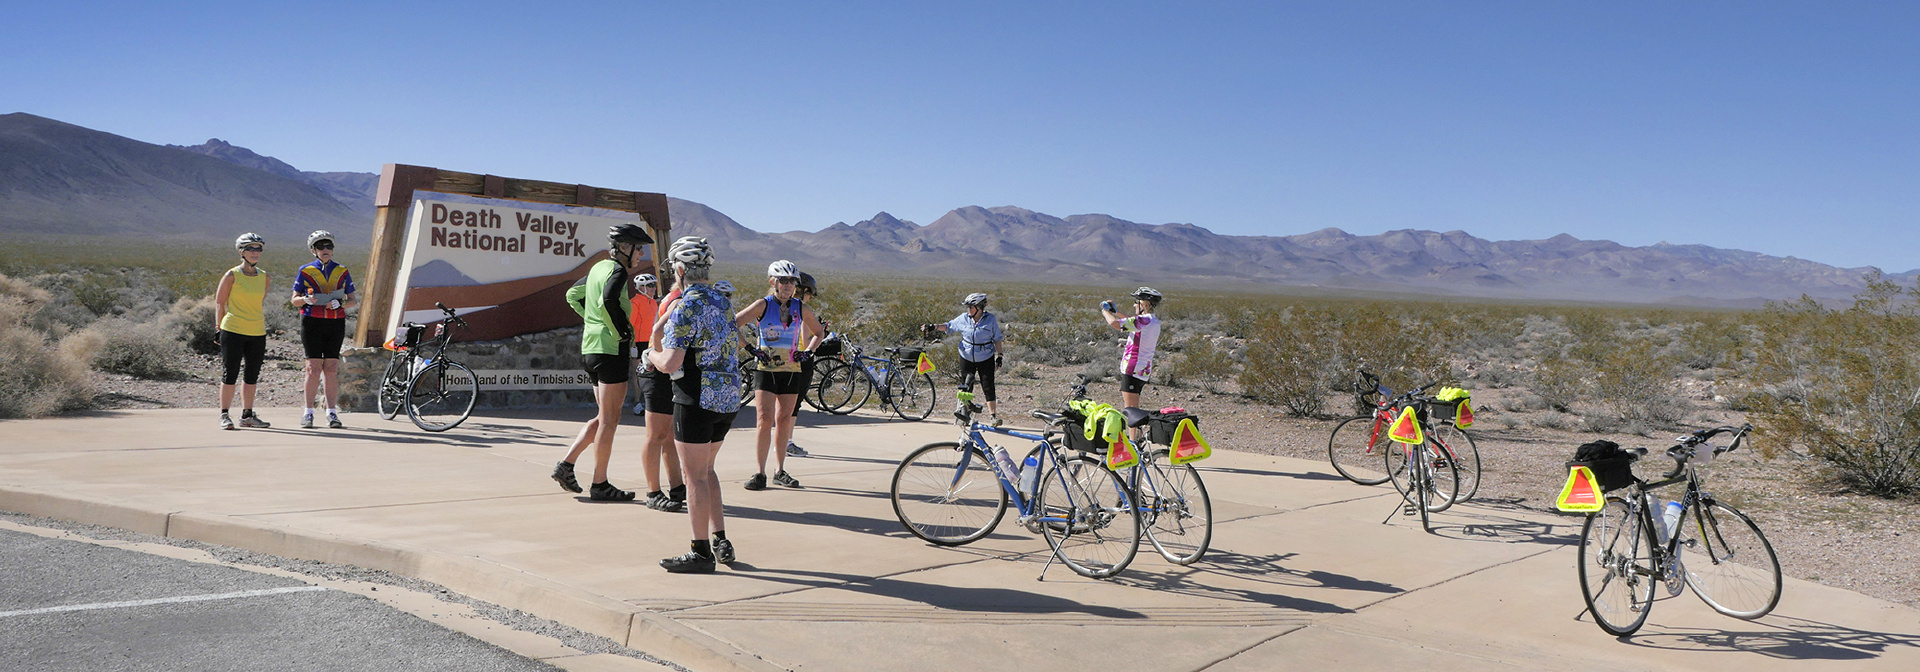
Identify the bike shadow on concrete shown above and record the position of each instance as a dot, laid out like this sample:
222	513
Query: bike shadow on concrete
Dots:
955	598
1486	522
1782	637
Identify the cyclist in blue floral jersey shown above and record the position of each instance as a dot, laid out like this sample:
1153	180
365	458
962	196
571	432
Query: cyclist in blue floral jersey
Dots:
699	351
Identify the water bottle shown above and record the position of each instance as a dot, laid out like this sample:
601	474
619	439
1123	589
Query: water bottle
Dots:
1004	465
1671	521
1030	476
1659	519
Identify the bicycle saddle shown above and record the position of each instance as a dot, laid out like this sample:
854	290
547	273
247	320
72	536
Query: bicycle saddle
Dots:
1049	418
1136	417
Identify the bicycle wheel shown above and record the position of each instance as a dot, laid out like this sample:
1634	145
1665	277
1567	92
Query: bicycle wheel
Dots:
1616	568
1732	567
843	388
1455	443
441	396
1179	516
946	502
1088	517
749	381
1437	480
1355	448
912	395
391	396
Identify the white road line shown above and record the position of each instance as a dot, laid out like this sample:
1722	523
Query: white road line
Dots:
163	600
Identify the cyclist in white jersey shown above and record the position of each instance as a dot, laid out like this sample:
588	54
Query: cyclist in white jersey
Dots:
1143	335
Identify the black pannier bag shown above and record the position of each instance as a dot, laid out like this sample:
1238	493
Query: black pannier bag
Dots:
1160	426
412	336
830	347
1074	434
1612	466
1442	411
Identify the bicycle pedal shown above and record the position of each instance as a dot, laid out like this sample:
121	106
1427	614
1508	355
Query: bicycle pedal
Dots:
1409	510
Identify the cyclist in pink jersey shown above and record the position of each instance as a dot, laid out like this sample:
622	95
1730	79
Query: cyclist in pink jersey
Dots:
1143	335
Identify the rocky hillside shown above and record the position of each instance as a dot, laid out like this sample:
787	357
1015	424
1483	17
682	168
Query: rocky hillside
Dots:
60	179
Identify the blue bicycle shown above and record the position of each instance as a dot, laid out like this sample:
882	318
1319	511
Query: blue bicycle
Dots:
953	493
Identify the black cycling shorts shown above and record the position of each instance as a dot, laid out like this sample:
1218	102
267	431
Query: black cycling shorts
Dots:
1130	384
321	336
606	369
239	352
693	424
656	392
982	370
806	381
780	382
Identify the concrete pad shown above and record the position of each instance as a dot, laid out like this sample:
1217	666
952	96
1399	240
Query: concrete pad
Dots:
1302	573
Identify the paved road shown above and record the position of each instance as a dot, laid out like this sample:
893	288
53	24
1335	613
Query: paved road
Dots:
70	605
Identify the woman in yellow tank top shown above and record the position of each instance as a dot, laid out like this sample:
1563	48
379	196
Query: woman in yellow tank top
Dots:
239	311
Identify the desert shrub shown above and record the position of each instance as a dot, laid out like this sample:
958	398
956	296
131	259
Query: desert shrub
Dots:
1204	362
191	322
1633	381
1844	385
1560	381
1288	363
35	379
139	349
1711	343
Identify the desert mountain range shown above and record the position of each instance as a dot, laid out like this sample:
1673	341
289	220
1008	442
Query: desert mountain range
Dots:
58	178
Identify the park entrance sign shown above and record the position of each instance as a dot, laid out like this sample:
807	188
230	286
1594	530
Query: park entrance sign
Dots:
503	265
500	251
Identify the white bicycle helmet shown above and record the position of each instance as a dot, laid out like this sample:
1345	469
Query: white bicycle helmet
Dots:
248	238
691	251
317	236
645	280
724	288
783	269
975	299
1148	294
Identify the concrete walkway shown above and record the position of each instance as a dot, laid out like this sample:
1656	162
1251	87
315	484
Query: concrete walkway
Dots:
1302	574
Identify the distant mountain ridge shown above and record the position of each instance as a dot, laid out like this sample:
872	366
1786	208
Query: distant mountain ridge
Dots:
57	178
60	179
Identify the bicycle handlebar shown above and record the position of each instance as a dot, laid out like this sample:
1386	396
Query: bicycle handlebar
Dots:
1686	446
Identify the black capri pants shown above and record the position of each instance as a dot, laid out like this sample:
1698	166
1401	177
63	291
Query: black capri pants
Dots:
238	352
984	370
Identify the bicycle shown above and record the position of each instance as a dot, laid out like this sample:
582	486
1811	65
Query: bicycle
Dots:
421	377
846	384
1361	440
1742	575
944	493
1172	499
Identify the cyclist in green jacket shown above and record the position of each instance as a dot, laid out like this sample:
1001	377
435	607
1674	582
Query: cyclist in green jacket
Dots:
603	299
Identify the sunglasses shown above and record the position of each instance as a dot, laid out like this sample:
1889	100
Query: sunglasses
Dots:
788	281
253	248
323	246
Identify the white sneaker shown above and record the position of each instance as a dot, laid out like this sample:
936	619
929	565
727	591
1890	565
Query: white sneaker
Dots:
333	420
306	420
794	450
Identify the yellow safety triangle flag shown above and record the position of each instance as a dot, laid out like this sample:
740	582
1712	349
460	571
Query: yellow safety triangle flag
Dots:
925	365
1463	418
1187	444
1581	494
1120	453
1406	429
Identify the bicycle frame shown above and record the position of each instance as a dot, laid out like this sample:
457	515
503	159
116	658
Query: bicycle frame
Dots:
973	438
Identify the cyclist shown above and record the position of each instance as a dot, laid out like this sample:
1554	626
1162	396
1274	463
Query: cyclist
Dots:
980	342
239	310
1143	334
323	290
806	292
605	345
659	407
786	331
644	309
698	348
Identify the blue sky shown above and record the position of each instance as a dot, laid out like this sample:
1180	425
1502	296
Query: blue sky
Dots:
1783	128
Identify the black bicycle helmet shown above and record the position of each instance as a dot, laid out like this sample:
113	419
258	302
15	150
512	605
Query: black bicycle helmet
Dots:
631	234
807	283
1148	294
